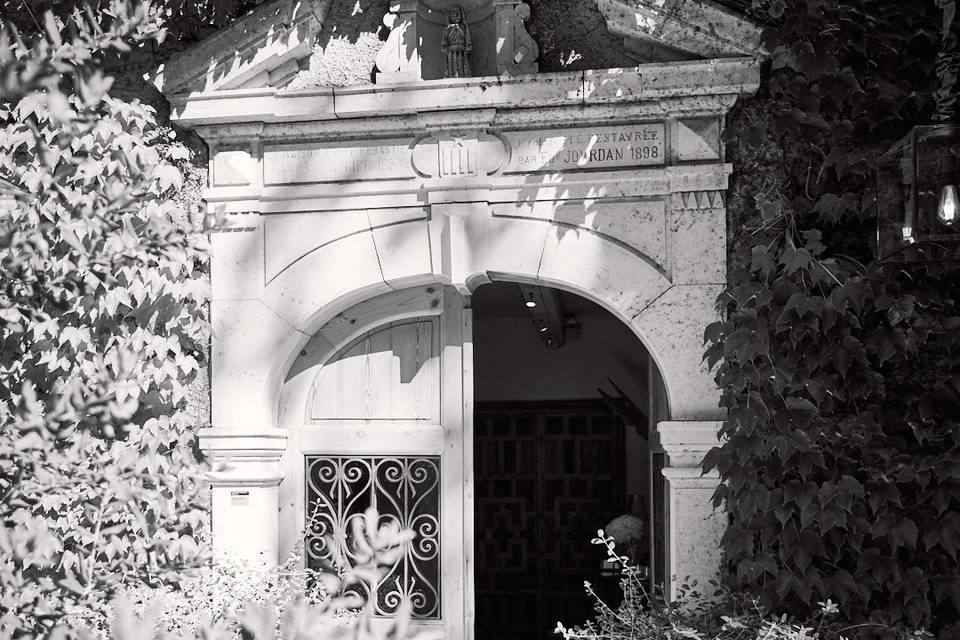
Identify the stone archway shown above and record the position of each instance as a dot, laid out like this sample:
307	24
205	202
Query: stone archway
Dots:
608	184
258	338
305	438
261	330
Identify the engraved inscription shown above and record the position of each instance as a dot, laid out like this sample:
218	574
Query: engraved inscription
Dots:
532	151
345	162
594	148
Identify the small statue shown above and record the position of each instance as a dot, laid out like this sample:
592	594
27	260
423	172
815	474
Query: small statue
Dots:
456	45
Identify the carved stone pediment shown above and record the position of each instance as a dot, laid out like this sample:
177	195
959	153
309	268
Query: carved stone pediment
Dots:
267	47
665	30
263	49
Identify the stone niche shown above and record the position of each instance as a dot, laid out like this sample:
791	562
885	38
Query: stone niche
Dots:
412	52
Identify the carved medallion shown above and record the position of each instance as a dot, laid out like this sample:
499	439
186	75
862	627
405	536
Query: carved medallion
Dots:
463	156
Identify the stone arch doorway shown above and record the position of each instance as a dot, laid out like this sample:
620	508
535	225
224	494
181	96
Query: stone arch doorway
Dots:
606	182
303	247
380	408
323	291
562	429
271	340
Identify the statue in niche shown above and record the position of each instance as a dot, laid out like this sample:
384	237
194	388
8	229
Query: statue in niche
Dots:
456	45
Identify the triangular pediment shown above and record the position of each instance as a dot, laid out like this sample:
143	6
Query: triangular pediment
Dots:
270	45
663	30
265	48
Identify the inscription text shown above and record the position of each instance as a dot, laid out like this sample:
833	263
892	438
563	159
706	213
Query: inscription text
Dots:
587	148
